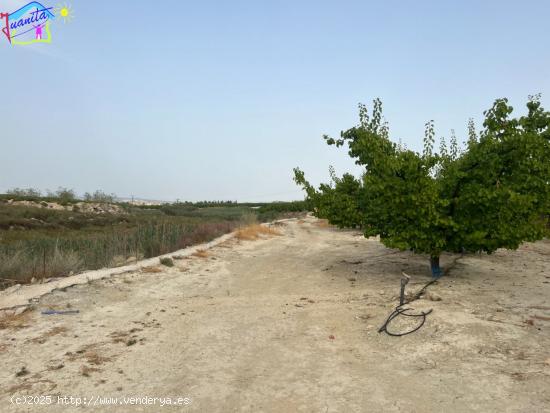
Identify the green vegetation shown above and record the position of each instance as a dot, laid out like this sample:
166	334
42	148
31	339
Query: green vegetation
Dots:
63	196
231	210
168	262
99	196
38	241
278	210
493	194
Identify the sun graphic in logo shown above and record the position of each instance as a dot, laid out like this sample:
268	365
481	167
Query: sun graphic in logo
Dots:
65	12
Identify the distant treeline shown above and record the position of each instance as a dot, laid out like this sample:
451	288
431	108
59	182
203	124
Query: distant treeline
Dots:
62	195
66	196
229	209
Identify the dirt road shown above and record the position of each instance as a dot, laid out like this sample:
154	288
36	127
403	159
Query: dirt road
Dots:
289	324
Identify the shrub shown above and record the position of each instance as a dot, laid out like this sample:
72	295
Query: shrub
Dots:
100	197
167	262
64	195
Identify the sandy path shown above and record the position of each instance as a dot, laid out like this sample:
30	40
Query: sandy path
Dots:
250	327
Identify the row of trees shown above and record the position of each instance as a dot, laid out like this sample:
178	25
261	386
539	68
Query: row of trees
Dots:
492	193
62	194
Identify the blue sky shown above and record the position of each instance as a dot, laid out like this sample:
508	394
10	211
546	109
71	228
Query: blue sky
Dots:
220	100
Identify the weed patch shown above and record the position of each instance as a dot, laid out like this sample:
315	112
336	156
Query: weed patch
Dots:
201	254
168	262
253	232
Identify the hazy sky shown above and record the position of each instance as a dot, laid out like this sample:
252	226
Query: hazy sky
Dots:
220	100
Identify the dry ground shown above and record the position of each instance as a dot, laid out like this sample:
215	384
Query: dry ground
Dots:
289	324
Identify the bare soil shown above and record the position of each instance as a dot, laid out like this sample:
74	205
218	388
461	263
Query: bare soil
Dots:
288	323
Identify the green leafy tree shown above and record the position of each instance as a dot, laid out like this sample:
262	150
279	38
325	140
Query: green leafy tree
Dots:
337	201
493	194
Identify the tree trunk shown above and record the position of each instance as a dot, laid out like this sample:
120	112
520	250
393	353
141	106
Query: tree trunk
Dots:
434	265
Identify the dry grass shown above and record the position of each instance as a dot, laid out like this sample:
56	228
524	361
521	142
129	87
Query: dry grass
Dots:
23	266
119	336
93	357
53	332
201	254
323	223
13	320
124	336
254	232
151	270
10	266
89	353
41	243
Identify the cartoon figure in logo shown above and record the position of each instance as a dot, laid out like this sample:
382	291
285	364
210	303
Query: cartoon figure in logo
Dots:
38	32
31	23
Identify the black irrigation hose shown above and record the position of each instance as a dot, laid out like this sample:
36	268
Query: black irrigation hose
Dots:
419	293
402	311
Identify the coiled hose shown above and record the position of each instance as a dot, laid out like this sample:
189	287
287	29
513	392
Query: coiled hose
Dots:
400	311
